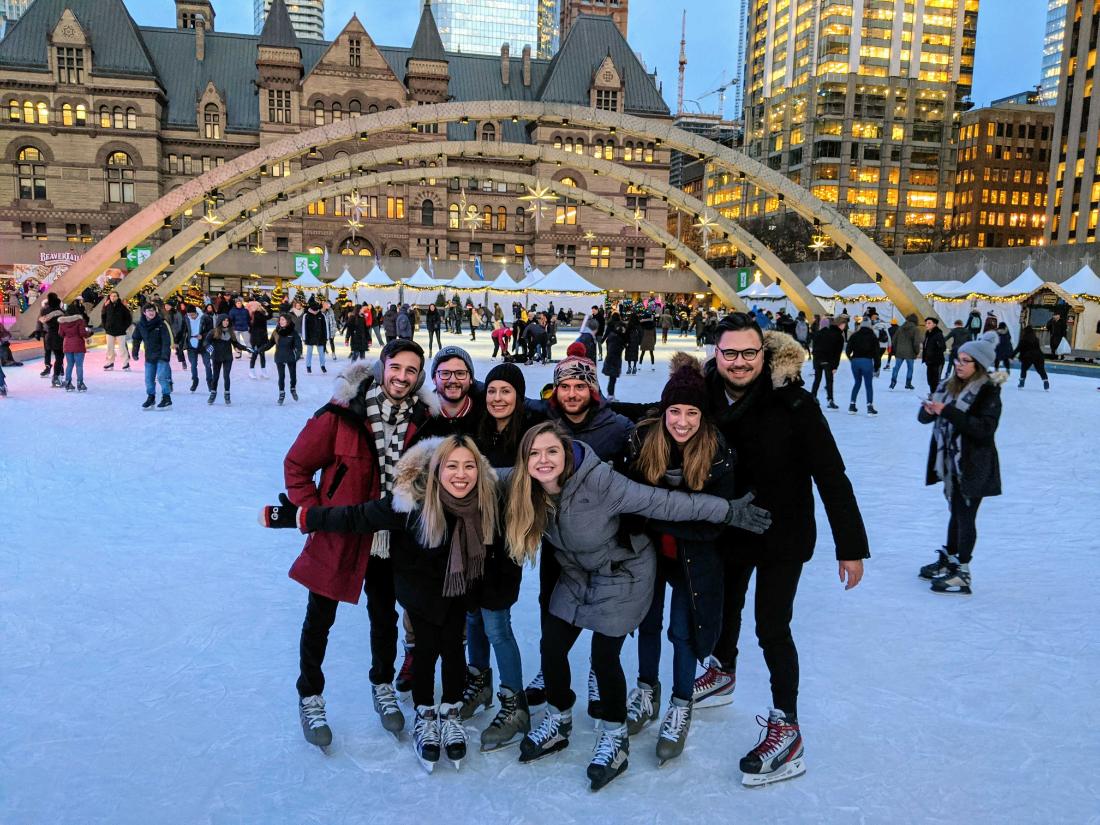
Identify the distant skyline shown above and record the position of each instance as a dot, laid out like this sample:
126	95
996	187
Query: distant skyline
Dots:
1008	59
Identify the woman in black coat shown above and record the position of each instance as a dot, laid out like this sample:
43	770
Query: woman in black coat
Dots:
965	410
258	338
357	332
288	349
633	338
220	343
613	344
1031	354
434	322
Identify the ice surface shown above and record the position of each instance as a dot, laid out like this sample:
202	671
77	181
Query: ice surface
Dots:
148	636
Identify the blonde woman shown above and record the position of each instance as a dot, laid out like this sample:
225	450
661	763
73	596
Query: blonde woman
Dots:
559	489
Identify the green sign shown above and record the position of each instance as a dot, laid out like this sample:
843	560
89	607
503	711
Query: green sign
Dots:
137	256
307	264
744	278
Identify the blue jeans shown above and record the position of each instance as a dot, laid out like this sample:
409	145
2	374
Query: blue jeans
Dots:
161	371
3	383
193	357
485	627
679	631
908	371
863	370
74	359
309	354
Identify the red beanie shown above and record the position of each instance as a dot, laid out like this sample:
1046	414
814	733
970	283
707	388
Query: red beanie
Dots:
576	349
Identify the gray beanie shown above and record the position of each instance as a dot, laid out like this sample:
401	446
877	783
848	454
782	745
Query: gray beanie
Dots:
983	349
449	352
592	323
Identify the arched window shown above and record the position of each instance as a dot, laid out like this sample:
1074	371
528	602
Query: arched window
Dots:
394	253
565	210
521	219
609	150
568	181
28	112
355	108
427	213
337	112
15	114
580	146
502	219
372	109
104	117
487	218
131	118
212	122
568	145
318	113
557	141
649	153
118	118
31	173
489	132
120	178
67	115
358	246
81	115
597	148
452	216
43	113
628	151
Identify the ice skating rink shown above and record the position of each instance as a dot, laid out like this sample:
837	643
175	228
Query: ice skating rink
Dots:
149	635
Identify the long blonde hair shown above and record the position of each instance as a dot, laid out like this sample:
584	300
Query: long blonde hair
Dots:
528	503
698	453
433	519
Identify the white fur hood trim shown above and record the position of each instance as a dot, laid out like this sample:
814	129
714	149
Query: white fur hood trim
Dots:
350	381
411	476
785	357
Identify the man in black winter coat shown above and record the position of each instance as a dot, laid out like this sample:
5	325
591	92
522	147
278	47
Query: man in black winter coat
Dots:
933	352
116	319
153	331
828	346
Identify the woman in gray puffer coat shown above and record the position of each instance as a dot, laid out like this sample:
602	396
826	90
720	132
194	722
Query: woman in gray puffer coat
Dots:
560	490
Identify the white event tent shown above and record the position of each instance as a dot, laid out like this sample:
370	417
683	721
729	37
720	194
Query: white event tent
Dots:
345	281
1085	282
307	282
565	288
421	288
377	288
466	287
1023	284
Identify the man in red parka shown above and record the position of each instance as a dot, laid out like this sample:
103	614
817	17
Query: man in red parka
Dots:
355	441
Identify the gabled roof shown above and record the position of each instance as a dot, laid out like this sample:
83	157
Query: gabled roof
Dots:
117	47
427	45
591	39
277	31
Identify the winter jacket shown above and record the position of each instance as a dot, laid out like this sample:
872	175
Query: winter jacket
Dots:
74	333
116	318
433	320
710	331
1004	346
957	337
389	323
666	321
606	584
1029	351
973	325
177	323
589	342
403	325
783	442
330	322
239	319
287	343
633	342
863	344
604	430
535	335
649	334
298	319
338	442
613	352
907	341
699	551
221	349
257	329
828	345
316	329
357	335
48	320
156	336
197	330
979	463
495	446
934	348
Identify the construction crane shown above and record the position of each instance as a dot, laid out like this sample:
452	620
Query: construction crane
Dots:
683	62
721	92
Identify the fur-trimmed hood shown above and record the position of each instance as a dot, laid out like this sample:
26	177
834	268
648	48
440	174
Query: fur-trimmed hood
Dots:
67	319
411	476
350	383
785	357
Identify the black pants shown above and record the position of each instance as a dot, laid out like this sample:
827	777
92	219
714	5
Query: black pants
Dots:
826	371
611	384
439	642
642	359
292	368
58	354
332	345
558	637
1040	368
221	368
1006	361
934	369
261	356
320	615
776	585
962	529
434	333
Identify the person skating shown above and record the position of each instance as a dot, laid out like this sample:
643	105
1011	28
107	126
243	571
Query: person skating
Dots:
240	322
403	324
933	351
633	344
681	450
221	341
444	534
197	330
330	325
357	333
965	411
501	336
906	347
288	349
828	347
52	344
1004	348
75	332
375	414
587	336
648	341
614	342
863	348
1056	328
116	319
177	324
315	334
152	330
958	336
434	323
258	338
389	323
1030	353
560	489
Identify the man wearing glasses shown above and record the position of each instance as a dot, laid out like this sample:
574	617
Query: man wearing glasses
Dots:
782	443
460	398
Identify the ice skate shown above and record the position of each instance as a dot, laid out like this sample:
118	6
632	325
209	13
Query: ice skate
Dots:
282	398
323	368
227	401
535	691
452	734
832	405
510	725
595	706
871	410
852	408
426	736
1046	384
213	395
404	683
150	400
56	382
609	759
385	705
311	713
478	693
642	706
69	386
779	755
674	730
955	580
714	687
294	393
551	736
165	402
46	371
936	568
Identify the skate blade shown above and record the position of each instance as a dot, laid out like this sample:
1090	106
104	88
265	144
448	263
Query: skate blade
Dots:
427	765
396	734
600	784
960	591
792	769
560	746
716	700
515	740
457	763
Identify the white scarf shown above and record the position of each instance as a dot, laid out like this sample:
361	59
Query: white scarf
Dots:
947	439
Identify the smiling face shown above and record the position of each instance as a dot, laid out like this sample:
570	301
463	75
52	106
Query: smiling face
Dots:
458	472
682	422
500	399
739	372
546	461
399	374
452	379
574	396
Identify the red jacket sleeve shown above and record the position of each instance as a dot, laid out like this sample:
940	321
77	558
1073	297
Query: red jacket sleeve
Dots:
311	451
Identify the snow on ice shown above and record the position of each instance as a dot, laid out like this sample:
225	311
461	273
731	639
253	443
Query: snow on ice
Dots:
149	632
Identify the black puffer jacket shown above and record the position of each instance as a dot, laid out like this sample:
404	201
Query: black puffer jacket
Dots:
316	328
287	343
257	329
156	336
116	318
828	345
979	463
863	344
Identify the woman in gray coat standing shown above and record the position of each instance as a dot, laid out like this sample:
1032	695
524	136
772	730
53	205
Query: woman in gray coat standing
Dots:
559	489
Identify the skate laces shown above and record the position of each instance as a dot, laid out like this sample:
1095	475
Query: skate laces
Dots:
508	707
451	731
640	704
313	711
607	746
537	683
426	729
710	677
407	665
593	687
547	729
474	686
777	737
675	721
386	699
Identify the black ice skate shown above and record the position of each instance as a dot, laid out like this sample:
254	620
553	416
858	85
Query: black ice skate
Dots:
610	757
165	402
478	694
282	398
311	713
551	736
150	400
936	568
535	691
779	755
955	580
452	734
674	730
404	683
426	736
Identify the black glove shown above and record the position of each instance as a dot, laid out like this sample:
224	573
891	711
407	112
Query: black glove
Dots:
744	514
134	354
284	514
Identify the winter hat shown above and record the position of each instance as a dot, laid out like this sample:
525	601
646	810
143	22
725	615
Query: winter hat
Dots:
449	352
983	349
865	323
685	384
576	349
592	323
576	368
510	374
313	304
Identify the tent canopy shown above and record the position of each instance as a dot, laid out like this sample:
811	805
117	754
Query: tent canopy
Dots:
505	283
307	280
1023	284
421	280
376	277
938	287
758	290
1085	282
532	278
980	284
564	279
462	281
819	289
345	280
862	290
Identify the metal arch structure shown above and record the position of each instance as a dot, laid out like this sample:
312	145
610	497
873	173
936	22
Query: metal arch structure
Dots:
185	269
247	202
873	260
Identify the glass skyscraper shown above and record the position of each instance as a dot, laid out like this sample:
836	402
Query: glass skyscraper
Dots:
10	11
483	26
307	17
1052	51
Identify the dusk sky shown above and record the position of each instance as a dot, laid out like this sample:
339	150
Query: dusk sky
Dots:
1010	35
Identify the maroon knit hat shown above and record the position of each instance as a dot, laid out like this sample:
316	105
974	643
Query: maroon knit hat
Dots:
685	384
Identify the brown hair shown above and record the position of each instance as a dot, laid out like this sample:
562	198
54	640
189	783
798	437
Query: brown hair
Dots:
956	385
529	504
698	453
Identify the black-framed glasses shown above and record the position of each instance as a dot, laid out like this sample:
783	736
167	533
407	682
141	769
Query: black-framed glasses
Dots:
962	359
447	375
746	354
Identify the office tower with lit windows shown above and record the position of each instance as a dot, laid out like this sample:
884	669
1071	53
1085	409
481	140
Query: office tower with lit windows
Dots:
483	26
859	101
1074	192
617	10
307	17
10	11
1052	51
